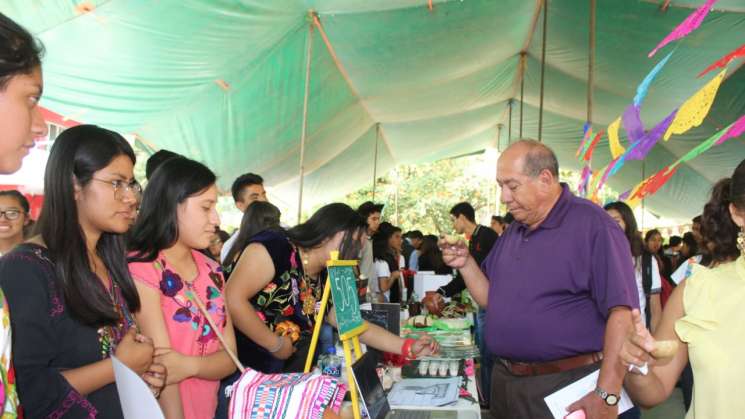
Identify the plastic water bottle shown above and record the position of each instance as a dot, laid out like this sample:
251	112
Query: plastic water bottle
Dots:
330	363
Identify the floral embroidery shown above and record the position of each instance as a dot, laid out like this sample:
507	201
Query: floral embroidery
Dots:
8	395
217	278
73	398
289	296
173	287
171	283
55	302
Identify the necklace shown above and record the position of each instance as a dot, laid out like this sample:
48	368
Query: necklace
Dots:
110	335
308	285
303	257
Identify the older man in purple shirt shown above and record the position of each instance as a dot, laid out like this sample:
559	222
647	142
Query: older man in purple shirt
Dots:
558	286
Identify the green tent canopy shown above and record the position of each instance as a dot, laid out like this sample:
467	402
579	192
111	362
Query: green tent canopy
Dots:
223	82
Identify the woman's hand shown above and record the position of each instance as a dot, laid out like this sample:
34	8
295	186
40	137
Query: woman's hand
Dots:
638	346
286	350
155	378
135	351
424	346
179	366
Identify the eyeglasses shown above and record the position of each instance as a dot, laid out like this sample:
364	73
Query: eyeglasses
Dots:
121	186
11	214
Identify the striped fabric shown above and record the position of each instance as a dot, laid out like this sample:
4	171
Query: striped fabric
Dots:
284	396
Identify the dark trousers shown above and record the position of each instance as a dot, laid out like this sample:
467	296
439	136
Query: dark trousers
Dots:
514	397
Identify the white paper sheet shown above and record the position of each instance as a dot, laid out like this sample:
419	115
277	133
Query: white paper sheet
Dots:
135	396
425	392
559	401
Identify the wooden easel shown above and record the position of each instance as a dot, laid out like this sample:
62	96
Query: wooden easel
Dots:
350	324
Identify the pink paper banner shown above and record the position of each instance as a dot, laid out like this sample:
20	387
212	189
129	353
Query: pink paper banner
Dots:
690	24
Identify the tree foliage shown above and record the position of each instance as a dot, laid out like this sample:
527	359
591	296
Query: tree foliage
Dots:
420	196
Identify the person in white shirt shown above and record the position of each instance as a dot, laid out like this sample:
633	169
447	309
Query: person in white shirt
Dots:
246	189
647	271
371	213
389	262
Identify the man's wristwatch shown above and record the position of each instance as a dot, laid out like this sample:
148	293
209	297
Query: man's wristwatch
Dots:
609	398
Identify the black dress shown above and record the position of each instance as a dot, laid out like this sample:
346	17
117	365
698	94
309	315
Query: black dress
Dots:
290	296
47	340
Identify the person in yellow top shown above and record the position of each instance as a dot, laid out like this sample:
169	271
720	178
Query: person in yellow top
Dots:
704	318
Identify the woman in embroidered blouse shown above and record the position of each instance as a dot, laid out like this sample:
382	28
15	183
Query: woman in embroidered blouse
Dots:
704	315
178	217
69	291
279	277
21	124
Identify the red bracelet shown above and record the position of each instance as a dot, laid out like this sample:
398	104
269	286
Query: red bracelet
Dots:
406	351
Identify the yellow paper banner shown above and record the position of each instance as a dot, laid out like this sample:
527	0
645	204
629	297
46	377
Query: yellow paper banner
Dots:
692	113
616	149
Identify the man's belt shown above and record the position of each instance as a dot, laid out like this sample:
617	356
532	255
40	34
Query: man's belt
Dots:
551	367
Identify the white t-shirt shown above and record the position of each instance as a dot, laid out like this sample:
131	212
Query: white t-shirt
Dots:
381	271
656	284
227	246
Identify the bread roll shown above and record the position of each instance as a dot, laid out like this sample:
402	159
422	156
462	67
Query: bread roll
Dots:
665	348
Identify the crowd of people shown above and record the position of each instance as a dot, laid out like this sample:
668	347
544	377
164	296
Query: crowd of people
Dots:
146	275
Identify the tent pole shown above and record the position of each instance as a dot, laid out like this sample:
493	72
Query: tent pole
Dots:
522	90
499	136
509	123
375	163
396	196
591	61
303	134
543	69
496	165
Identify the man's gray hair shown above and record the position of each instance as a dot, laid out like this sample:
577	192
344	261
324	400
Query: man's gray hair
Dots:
539	157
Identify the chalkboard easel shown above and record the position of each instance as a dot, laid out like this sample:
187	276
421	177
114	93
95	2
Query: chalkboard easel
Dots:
341	283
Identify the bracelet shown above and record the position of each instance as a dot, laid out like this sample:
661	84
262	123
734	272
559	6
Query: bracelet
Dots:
406	351
278	347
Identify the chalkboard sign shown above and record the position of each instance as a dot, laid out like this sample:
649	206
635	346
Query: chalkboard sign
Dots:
346	301
379	317
394	316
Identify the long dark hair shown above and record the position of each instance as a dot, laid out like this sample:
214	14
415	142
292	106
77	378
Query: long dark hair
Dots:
718	231
20	53
430	256
325	223
157	224
259	216
76	155
631	231
380	241
22	201
737	187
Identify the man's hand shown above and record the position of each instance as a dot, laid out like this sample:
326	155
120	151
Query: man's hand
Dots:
594	407
455	254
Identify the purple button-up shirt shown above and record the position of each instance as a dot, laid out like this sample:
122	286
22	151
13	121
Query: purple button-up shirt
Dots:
551	289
